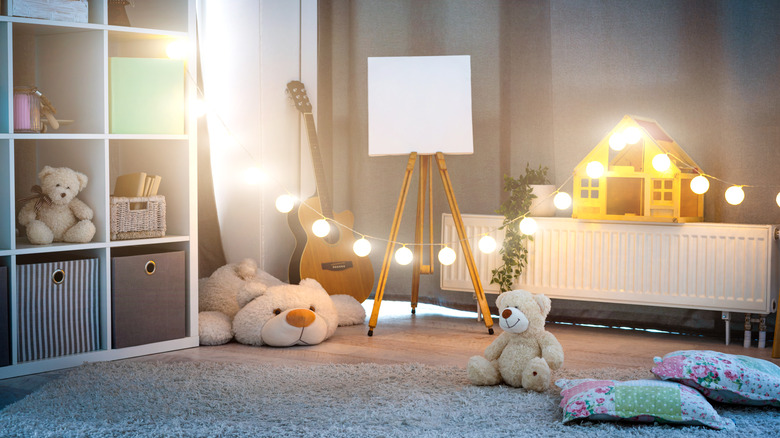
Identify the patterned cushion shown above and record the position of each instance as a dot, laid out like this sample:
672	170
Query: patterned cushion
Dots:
723	377
645	401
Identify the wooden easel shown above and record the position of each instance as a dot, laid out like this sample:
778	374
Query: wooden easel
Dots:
418	267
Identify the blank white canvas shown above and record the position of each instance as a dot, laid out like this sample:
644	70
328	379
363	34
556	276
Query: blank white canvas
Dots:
419	104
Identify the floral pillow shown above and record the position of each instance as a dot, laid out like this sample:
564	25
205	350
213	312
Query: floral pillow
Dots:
723	377
645	401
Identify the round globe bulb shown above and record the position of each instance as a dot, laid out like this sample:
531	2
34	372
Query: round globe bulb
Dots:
362	247
487	244
528	226
778	199
447	256
285	203
320	228
661	162
403	256
254	176
700	184
594	169
617	141
632	135
562	201
735	195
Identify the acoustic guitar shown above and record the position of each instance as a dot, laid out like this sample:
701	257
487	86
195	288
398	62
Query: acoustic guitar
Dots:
330	260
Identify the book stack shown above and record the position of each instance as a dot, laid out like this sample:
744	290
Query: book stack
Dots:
138	184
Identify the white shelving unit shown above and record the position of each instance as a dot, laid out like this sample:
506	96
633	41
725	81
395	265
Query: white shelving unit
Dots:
69	63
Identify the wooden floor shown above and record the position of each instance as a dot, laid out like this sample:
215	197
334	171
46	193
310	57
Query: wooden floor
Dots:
433	338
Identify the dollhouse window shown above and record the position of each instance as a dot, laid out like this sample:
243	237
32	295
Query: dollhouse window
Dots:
663	191
593	184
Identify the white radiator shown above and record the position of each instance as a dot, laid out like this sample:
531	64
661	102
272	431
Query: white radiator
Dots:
708	266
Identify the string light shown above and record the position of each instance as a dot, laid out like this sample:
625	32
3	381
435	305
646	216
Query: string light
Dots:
700	184
285	203
661	162
320	228
362	247
617	141
594	169
528	226
735	195
487	244
447	256
562	200
403	256
632	134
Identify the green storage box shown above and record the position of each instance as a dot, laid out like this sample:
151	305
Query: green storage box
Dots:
146	96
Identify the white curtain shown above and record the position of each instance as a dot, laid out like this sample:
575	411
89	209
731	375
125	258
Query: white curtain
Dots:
249	50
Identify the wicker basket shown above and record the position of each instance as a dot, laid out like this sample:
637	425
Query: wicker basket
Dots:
148	220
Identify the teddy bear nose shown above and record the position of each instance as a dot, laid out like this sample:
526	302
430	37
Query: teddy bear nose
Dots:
506	313
300	317
62	195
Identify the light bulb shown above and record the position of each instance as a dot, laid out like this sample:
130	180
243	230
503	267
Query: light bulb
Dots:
562	201
177	49
403	256
285	203
661	162
594	169
700	184
632	134
617	141
735	195
447	256
320	228
487	244
362	247
528	226
254	176
778	199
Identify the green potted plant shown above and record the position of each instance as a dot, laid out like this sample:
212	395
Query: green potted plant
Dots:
514	253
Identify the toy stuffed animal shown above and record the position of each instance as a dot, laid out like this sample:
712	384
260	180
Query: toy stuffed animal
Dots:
55	214
524	354
239	300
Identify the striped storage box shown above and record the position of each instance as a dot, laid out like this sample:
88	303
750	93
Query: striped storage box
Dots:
5	320
58	309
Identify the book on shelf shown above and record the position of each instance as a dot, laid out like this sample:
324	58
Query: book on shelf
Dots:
130	185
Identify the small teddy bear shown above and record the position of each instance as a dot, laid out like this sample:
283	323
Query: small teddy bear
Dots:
524	354
55	214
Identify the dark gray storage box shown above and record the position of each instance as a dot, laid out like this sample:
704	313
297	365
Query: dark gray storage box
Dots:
58	308
5	319
148	298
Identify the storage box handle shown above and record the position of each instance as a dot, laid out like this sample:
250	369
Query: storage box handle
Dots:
58	276
150	267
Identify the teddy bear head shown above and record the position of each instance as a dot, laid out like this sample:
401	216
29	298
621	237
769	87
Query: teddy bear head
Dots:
521	311
61	184
284	315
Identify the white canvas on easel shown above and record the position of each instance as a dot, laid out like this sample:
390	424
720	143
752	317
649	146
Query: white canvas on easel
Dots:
419	104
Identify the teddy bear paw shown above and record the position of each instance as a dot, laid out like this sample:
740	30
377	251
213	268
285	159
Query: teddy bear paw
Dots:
214	328
82	232
536	376
39	233
482	372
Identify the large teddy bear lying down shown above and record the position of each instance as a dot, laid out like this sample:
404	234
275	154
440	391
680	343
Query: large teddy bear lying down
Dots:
239	300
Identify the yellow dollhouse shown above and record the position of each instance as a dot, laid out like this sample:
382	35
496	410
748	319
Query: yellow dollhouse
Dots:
627	179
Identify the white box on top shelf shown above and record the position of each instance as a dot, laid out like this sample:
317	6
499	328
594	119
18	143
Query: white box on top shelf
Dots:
60	10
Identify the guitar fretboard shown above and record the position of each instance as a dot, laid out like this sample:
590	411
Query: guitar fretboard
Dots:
319	171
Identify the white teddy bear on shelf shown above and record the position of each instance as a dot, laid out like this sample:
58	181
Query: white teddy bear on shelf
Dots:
55	214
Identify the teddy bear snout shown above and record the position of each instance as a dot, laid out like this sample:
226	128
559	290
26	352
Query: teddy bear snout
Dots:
300	317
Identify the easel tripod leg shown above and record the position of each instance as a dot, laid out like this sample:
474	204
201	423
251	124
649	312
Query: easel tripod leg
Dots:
464	242
399	210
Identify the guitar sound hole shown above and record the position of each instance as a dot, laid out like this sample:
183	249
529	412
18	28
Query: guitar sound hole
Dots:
334	234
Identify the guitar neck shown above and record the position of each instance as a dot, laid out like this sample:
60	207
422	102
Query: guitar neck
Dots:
319	170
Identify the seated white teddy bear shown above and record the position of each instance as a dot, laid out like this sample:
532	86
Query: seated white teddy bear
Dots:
56	214
242	301
524	354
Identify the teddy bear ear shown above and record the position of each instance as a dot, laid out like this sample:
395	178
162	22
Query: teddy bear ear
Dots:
310	282
545	304
499	299
46	171
82	180
246	269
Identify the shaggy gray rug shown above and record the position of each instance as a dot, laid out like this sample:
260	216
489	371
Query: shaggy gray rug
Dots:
194	399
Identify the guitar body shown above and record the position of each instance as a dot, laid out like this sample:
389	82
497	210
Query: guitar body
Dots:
329	260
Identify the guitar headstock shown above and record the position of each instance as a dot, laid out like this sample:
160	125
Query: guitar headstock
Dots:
298	94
